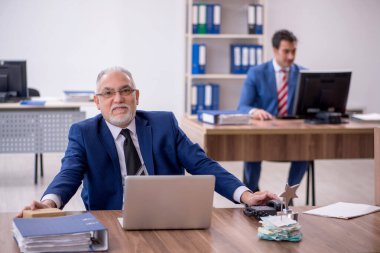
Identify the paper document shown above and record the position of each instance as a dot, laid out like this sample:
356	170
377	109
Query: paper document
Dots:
344	210
367	117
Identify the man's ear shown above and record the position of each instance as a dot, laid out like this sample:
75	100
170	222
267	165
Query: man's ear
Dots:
96	100
137	96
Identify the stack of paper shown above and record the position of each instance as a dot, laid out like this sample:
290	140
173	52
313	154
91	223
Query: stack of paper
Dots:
344	210
78	95
279	228
72	233
368	117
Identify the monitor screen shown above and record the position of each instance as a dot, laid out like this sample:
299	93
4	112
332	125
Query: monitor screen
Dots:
321	92
13	79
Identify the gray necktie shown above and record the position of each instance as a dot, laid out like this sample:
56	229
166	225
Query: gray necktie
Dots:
132	159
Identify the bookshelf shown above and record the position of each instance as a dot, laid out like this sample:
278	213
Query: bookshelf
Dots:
233	30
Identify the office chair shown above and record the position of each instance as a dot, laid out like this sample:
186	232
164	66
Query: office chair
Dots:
310	185
36	93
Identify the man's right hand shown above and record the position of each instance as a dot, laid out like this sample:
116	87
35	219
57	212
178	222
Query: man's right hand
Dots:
261	114
47	203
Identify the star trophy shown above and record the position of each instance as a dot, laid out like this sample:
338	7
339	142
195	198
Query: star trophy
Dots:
287	195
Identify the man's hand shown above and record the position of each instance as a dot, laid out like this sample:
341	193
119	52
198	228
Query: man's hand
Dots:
257	198
260	114
47	203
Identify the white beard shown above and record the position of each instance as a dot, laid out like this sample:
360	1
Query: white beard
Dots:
122	120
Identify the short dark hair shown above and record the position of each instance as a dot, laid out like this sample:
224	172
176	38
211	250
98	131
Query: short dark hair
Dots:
282	35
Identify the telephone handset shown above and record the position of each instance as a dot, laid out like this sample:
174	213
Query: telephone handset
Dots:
271	208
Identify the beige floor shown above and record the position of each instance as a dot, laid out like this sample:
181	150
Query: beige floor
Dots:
345	180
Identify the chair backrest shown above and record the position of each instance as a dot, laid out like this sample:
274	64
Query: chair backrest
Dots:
33	92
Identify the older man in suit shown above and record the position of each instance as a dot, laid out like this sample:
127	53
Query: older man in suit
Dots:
122	141
268	92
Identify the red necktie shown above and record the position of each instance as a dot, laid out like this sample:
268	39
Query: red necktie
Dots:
283	95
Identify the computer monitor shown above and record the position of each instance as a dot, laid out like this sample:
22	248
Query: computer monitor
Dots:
13	80
321	96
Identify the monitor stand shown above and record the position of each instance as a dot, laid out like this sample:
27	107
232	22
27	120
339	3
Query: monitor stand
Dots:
325	118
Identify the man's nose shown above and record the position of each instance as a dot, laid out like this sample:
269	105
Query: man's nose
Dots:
118	97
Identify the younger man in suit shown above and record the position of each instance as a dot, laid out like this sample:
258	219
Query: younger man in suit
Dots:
123	141
268	92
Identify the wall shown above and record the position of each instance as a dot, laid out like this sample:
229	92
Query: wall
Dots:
336	34
66	43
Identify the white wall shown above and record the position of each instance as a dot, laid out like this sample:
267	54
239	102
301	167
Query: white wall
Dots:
336	34
67	42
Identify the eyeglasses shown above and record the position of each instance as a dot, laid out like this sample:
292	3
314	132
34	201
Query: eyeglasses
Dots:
110	93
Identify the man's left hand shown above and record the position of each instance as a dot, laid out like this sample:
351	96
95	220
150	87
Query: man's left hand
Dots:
257	198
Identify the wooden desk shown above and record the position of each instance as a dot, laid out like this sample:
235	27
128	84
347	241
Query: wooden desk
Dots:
284	140
231	231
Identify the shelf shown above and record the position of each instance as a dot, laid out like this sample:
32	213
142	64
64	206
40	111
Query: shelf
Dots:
226	36
218	76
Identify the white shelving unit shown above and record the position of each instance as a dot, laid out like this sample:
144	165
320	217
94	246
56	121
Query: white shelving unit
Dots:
234	29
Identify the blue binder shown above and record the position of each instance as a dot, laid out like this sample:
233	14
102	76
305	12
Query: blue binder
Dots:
202	58
217	18
259	14
209	18
195	18
259	54
244	58
201	88
252	55
195	59
214	96
235	64
193	99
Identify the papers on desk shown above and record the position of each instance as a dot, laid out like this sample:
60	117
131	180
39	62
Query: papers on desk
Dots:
368	117
73	233
344	210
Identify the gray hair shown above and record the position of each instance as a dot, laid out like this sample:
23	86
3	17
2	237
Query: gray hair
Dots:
114	69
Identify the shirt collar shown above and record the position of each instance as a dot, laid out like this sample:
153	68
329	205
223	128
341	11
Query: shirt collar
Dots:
115	131
277	67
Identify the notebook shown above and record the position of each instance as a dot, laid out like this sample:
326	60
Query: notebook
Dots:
168	202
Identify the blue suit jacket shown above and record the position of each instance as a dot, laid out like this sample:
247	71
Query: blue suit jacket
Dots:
260	90
91	156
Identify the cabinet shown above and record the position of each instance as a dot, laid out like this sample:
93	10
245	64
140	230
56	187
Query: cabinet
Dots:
233	30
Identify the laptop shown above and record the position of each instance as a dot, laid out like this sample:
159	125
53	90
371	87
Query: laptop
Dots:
168	202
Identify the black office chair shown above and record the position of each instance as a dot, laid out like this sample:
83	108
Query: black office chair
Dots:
310	183
35	93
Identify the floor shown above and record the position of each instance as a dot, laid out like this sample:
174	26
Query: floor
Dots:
344	180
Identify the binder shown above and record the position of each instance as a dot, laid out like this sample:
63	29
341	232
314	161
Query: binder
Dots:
202	58
193	99
202	19
251	19
195	18
74	233
214	96
195	59
244	59
209	18
201	88
223	117
217	18
259	54
252	56
235	59
259	18
208	97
